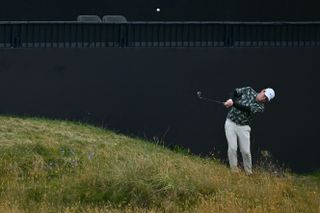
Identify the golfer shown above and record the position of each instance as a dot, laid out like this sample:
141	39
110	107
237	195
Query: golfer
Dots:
244	104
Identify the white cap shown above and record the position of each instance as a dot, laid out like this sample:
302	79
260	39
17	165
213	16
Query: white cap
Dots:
269	92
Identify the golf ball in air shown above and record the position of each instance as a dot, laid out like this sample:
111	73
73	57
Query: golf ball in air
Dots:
158	9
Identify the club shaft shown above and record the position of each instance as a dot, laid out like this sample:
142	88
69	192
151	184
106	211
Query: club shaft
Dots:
211	100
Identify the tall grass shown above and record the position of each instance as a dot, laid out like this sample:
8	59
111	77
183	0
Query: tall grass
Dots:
59	166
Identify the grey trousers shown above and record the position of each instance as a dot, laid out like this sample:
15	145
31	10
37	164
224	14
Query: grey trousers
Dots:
238	134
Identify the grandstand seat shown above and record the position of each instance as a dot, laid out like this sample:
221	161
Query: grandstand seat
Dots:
114	19
88	18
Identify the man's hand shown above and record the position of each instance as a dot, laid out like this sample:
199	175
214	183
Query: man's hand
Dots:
228	103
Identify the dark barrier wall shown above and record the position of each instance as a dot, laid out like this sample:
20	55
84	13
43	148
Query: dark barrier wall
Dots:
152	93
145	10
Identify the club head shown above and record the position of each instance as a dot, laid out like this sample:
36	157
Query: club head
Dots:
199	94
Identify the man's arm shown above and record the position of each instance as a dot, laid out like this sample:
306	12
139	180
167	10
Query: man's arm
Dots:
241	107
234	96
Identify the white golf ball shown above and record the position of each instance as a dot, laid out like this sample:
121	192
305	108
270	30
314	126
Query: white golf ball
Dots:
158	9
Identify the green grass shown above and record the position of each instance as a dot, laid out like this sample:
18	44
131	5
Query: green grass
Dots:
60	166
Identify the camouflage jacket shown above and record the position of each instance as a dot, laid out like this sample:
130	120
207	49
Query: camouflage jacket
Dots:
244	98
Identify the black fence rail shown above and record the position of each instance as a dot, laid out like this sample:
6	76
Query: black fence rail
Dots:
158	34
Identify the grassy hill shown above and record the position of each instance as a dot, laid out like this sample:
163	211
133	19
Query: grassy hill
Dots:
59	166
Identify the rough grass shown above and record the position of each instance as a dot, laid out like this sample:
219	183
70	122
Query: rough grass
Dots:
59	166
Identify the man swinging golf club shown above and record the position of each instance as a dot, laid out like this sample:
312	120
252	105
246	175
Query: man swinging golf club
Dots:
244	104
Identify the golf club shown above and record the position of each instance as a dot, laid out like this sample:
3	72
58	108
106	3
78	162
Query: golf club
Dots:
199	94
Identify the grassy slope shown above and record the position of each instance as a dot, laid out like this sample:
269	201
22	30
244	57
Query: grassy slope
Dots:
48	165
